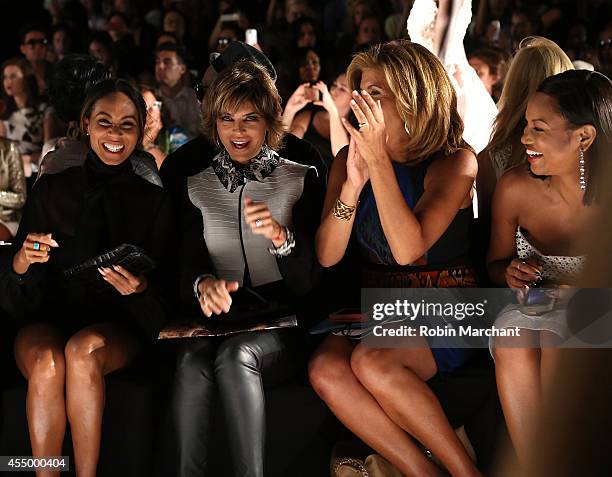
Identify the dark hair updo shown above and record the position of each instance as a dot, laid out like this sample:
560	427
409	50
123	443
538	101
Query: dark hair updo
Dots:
110	86
72	78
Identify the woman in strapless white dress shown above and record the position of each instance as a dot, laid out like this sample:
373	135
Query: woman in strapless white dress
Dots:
540	222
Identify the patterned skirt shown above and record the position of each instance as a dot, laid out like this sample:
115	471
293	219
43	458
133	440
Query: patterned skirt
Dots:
383	276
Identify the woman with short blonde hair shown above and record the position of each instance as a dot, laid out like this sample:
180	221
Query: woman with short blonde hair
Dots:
429	126
402	191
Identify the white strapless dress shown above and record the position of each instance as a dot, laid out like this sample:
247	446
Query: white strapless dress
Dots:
555	268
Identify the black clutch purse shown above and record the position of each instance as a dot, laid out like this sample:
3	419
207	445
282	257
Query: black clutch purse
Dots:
134	259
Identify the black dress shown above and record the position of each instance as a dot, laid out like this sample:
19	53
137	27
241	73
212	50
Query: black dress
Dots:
89	210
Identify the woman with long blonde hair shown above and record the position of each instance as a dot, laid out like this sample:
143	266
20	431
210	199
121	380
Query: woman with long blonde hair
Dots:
536	59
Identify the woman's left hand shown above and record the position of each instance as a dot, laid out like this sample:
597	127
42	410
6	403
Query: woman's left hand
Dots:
259	217
123	281
371	136
326	100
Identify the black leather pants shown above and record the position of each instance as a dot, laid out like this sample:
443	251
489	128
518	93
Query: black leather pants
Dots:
238	365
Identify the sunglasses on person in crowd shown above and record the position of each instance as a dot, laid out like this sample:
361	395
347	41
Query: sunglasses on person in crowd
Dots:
154	105
36	41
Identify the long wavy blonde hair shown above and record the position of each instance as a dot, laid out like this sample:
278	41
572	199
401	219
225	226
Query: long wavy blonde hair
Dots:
536	59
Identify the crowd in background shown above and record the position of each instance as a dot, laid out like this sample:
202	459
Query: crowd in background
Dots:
325	121
307	42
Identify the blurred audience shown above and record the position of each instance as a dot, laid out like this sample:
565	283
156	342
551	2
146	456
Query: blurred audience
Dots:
12	189
26	118
536	59
176	93
491	66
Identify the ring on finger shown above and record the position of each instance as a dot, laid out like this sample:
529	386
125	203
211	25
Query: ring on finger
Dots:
259	223
36	246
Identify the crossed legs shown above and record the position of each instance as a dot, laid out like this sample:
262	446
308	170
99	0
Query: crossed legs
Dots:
381	395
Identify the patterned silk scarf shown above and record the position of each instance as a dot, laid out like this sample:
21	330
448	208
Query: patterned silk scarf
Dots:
233	175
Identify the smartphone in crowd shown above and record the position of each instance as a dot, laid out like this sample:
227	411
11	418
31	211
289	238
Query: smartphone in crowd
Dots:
250	36
311	93
230	17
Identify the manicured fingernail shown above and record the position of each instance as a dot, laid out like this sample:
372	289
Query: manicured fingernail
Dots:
353	103
101	270
355	93
364	92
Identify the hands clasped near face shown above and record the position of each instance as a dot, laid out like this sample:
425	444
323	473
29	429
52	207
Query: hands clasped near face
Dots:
371	137
214	293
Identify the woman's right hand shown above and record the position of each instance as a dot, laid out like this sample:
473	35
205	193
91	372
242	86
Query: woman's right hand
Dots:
523	273
35	249
215	295
356	169
298	99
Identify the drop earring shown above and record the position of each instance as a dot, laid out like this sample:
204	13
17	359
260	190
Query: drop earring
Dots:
581	168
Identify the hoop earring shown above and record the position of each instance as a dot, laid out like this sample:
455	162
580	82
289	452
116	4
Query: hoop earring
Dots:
581	168
406	128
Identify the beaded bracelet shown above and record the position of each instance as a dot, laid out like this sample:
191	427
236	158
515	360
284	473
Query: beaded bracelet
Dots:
285	248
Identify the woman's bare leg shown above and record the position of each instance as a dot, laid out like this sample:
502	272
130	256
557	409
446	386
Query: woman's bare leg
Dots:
333	380
90	354
39	352
396	378
517	372
549	361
